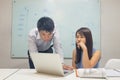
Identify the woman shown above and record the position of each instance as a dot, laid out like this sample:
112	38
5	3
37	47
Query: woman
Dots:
84	55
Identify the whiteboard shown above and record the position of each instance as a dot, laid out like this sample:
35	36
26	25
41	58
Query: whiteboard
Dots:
68	16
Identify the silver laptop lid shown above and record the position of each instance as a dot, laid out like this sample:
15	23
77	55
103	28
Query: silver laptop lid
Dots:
47	63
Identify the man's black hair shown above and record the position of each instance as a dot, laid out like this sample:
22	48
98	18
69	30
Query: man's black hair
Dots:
46	24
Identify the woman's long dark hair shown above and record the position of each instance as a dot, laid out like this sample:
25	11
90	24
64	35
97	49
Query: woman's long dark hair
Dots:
84	31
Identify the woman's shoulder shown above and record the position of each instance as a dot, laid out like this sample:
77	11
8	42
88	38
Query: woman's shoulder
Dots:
74	52
96	51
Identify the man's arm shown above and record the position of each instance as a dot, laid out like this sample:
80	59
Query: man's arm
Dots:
31	44
57	45
58	49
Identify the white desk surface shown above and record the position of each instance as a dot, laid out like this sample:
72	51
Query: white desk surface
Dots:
5	73
31	74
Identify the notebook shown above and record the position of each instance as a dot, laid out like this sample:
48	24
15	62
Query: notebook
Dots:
113	72
49	63
92	73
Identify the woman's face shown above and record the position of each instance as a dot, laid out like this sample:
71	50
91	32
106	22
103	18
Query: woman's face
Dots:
46	36
80	38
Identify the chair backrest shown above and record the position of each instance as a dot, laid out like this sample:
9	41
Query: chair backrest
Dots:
113	64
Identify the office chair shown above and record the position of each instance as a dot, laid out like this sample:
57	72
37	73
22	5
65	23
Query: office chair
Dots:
113	64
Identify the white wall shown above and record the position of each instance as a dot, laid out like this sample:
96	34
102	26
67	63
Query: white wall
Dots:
5	37
110	28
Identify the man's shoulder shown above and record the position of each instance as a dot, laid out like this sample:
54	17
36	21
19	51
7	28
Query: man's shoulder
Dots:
33	32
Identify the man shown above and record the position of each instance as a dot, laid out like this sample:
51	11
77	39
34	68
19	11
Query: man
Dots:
42	38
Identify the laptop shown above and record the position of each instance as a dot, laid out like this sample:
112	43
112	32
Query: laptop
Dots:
49	63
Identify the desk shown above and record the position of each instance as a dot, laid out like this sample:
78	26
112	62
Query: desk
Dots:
31	74
5	73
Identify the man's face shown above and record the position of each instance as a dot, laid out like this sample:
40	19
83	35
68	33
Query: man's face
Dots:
45	35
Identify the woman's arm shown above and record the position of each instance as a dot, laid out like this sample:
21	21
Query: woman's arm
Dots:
86	62
90	63
74	58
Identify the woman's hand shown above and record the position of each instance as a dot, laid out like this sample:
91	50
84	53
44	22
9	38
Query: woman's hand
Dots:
82	45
